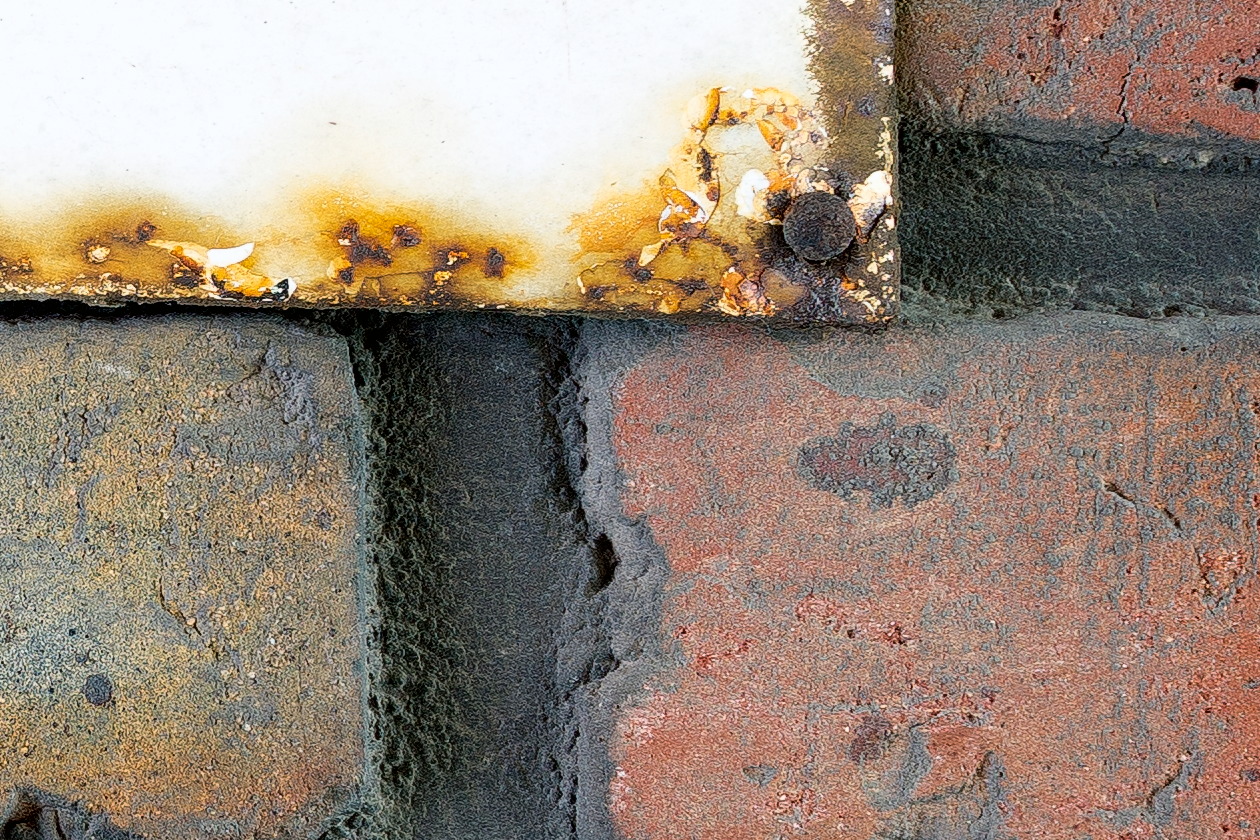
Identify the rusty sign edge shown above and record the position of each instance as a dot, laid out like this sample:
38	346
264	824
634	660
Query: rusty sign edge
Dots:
701	236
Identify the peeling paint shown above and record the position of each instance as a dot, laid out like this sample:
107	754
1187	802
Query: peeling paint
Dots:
871	199
749	156
218	271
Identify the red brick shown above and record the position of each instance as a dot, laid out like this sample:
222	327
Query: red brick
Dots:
1020	601
1165	67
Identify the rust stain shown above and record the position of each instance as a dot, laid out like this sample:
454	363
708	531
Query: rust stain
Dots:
708	235
407	256
345	252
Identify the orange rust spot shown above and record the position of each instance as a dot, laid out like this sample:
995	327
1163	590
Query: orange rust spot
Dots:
406	236
742	295
772	135
360	248
618	221
496	262
710	111
19	266
392	270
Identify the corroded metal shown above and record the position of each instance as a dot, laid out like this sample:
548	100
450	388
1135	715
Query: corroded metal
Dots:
754	179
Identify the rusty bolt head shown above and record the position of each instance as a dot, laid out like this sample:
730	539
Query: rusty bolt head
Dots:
819	226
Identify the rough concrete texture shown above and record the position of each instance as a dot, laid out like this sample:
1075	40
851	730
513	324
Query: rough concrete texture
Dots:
510	627
991	582
182	642
1103	69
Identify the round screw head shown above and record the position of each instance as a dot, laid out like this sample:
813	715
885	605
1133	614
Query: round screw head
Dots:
819	226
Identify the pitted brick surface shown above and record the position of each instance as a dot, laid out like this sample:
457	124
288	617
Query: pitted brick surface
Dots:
182	640
1059	642
1159	67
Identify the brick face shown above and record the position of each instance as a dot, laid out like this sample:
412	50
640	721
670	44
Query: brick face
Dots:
995	582
182	643
1184	69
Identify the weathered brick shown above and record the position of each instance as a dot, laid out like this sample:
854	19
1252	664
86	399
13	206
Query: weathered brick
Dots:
1159	67
992	582
182	644
996	226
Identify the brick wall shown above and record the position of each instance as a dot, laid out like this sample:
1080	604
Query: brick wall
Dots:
973	576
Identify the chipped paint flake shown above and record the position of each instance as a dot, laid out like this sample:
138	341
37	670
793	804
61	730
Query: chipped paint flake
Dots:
743	295
96	253
870	199
692	190
224	257
219	271
750	195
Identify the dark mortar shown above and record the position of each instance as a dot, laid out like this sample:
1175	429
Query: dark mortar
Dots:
994	226
512	617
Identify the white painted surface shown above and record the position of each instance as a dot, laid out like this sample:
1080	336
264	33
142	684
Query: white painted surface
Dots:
524	109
